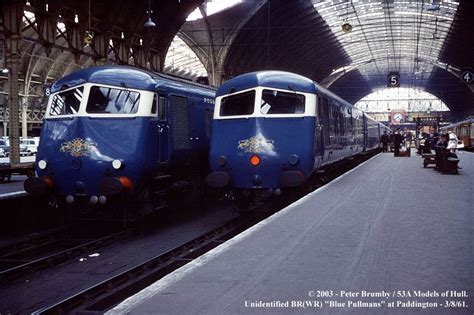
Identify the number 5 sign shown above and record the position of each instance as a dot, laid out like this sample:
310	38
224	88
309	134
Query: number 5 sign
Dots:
393	79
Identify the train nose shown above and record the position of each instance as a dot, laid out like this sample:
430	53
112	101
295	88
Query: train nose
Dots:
115	185
292	178
218	179
38	185
80	187
76	164
257	180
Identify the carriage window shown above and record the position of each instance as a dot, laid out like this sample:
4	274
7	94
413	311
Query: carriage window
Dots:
238	105
104	100
326	124
153	105
277	102
66	103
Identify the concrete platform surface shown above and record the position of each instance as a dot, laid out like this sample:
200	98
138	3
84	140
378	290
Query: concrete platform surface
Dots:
14	187
388	237
23	159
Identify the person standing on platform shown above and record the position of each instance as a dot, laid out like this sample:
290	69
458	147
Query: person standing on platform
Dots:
425	144
433	137
441	155
420	140
408	139
384	140
397	141
390	141
452	144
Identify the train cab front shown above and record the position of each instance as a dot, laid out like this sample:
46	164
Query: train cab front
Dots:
263	139
89	142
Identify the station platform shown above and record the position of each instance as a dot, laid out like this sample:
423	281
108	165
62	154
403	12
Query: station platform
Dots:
23	159
389	228
14	187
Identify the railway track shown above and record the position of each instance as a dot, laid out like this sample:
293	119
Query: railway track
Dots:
108	293
30	241
51	248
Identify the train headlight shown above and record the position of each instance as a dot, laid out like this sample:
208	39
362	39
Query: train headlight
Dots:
42	164
69	199
102	200
293	159
94	200
255	160
117	164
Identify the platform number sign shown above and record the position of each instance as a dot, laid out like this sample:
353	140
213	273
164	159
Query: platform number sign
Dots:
393	79
47	91
467	77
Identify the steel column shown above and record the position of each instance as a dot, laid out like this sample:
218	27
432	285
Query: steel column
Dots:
13	63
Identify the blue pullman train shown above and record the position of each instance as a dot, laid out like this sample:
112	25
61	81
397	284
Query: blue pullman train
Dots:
118	130
273	130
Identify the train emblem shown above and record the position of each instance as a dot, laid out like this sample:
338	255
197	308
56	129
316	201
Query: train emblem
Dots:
256	144
78	147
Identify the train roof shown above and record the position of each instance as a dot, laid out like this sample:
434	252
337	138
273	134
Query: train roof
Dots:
276	79
125	76
279	80
465	121
271	79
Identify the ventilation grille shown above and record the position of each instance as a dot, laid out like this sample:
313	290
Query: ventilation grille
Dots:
180	123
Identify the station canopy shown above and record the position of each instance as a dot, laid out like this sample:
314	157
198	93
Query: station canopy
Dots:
353	47
381	37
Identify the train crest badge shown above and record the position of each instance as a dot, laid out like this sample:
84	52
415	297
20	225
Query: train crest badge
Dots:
78	147
256	144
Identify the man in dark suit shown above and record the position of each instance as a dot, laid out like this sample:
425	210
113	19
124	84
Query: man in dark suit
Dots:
397	141
433	137
384	140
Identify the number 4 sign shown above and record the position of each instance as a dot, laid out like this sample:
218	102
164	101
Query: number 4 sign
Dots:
467	77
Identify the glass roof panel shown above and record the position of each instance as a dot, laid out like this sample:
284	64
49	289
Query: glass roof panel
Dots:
391	36
28	17
181	60
401	99
61	28
213	7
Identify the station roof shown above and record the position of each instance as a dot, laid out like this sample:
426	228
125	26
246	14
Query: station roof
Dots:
429	43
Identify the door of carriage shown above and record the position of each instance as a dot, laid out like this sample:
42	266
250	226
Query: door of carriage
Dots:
322	129
163	127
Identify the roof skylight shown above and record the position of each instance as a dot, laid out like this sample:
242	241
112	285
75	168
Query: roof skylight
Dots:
181	60
390	36
401	99
213	7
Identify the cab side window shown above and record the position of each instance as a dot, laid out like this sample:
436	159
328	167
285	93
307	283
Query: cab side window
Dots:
161	107
153	105
159	104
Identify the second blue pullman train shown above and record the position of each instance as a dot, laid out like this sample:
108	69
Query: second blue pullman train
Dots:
273	130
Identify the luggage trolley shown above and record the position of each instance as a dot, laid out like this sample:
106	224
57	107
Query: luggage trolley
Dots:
428	158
